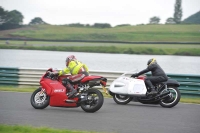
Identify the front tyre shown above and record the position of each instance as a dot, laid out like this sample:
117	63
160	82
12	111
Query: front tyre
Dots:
39	99
172	99
122	99
94	101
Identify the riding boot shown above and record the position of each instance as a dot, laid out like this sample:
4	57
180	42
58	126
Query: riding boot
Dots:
153	91
72	90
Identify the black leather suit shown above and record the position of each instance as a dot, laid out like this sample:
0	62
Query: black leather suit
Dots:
158	75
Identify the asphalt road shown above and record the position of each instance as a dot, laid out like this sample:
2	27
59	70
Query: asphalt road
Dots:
15	108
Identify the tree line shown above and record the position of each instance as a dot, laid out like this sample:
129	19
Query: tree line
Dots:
171	20
14	19
10	19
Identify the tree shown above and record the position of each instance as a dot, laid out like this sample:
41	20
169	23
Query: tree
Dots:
154	20
3	16
11	20
178	11
37	20
170	21
76	25
121	25
15	17
102	25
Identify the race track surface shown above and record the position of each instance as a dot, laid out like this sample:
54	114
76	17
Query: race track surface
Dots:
15	108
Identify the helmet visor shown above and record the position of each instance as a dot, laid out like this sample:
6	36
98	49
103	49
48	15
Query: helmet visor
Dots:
151	61
67	61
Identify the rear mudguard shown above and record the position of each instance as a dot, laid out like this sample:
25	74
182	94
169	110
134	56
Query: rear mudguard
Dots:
172	82
97	82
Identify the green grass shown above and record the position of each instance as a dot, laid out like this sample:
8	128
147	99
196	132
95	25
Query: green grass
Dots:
149	49
168	33
140	33
79	44
29	129
18	88
195	100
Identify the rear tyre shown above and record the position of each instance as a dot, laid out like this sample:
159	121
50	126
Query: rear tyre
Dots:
172	99
94	101
122	99
39	99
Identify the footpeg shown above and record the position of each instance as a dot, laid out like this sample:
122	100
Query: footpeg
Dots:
77	94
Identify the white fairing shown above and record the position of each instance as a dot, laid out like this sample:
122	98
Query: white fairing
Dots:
130	86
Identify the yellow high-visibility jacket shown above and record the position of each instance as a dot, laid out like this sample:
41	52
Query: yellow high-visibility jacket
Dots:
73	68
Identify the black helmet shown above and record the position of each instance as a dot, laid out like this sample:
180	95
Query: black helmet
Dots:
153	60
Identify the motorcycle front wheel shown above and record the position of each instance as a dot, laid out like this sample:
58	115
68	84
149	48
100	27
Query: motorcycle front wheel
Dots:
122	99
94	101
172	99
39	99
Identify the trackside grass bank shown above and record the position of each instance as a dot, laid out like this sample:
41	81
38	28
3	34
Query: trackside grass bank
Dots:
30	129
120	48
195	100
165	33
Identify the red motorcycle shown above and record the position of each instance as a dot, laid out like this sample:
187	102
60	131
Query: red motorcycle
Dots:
53	93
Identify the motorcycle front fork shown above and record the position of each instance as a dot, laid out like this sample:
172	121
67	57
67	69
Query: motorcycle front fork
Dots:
42	91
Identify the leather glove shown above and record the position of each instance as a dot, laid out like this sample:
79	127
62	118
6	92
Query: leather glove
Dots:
55	73
51	74
65	81
134	75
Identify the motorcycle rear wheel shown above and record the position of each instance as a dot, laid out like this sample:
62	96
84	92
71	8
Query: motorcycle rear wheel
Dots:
94	101
172	99
122	99
39	99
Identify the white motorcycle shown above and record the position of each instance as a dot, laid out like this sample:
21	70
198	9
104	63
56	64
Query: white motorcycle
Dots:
125	89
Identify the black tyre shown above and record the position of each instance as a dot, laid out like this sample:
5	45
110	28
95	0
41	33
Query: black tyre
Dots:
172	99
39	99
94	101
122	99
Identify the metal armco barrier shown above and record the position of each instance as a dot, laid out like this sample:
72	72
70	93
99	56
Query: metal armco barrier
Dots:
189	84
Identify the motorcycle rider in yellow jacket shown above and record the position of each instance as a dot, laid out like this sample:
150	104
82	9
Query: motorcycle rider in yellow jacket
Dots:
78	71
74	68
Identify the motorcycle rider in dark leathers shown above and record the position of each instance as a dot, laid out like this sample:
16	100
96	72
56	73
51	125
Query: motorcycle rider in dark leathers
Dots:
158	75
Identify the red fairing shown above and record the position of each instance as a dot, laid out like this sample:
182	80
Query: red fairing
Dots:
88	78
56	91
58	99
50	85
141	77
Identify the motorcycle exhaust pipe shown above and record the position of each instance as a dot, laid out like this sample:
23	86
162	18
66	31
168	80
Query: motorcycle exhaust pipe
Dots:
83	98
162	94
161	98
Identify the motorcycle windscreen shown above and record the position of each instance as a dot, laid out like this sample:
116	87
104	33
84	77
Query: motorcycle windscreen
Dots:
126	85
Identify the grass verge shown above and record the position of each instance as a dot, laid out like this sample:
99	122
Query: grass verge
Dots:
30	129
167	33
147	49
195	100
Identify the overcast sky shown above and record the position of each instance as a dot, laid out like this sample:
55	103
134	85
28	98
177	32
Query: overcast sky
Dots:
114	12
